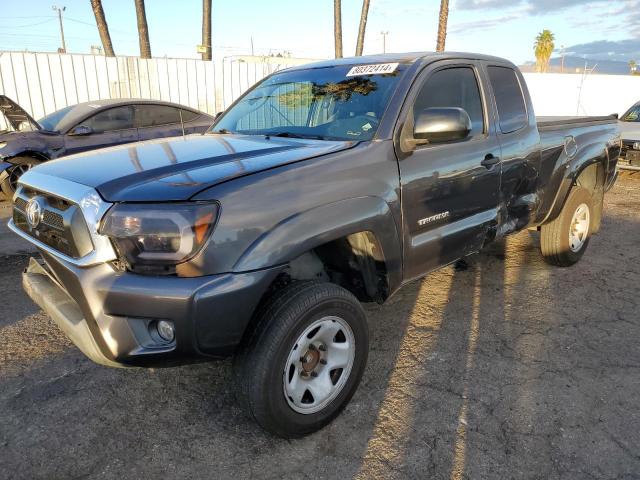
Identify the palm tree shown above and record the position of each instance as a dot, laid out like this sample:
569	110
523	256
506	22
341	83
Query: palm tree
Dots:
363	26
103	29
543	48
442	25
143	30
206	29
337	27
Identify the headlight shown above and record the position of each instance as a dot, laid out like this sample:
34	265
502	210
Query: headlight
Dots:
3	144
159	234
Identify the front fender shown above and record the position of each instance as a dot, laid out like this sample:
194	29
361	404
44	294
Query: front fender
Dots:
307	230
4	166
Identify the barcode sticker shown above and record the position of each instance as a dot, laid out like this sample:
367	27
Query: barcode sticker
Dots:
377	69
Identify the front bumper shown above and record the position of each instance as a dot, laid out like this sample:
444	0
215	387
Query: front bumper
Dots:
108	314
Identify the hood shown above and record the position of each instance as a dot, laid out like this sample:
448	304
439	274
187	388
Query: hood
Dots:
16	115
177	168
629	130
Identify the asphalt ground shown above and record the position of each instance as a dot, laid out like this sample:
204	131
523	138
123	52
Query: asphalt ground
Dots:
508	369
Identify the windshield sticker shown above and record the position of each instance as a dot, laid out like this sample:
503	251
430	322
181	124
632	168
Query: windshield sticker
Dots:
377	69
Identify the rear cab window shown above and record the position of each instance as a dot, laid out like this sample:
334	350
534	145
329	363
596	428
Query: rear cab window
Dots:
512	111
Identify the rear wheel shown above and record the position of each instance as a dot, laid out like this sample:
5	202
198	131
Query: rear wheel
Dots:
564	240
10	183
304	360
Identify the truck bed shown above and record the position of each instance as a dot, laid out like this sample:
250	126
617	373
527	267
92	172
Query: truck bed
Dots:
552	123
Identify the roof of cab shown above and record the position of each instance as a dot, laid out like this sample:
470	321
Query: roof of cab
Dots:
406	58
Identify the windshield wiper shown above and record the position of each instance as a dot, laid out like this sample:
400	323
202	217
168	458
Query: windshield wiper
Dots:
223	131
295	135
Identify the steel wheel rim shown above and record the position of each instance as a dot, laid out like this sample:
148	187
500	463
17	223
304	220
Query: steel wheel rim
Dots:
16	173
319	365
579	229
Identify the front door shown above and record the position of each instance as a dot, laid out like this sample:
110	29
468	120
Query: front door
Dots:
450	191
113	126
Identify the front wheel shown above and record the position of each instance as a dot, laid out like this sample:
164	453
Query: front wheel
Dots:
564	240
305	359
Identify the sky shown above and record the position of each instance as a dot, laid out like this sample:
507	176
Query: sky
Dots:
592	29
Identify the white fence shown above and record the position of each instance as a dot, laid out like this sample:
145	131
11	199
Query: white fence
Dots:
575	94
45	82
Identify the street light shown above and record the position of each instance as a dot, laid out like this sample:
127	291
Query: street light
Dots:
60	10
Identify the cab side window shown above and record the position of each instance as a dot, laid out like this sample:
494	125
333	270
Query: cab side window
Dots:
156	115
455	87
512	111
118	118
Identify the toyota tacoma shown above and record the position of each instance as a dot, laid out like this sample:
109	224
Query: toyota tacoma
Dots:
324	186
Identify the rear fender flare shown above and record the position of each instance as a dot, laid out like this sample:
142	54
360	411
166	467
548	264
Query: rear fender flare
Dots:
572	178
305	231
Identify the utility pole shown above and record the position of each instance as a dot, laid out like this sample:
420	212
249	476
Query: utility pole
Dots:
561	58
206	30
384	40
60	10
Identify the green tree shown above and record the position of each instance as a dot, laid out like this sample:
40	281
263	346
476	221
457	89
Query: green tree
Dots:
543	48
633	67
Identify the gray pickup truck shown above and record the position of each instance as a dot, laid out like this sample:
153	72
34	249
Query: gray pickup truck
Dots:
324	186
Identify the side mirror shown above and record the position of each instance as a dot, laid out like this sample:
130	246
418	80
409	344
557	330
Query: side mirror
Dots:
217	115
437	125
81	130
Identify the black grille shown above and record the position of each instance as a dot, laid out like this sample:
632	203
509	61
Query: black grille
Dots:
53	219
61	226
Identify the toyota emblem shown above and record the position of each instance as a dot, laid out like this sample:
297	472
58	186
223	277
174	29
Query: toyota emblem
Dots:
34	212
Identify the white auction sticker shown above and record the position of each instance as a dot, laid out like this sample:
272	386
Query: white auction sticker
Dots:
377	69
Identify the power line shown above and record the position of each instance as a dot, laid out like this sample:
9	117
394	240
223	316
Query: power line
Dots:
51	19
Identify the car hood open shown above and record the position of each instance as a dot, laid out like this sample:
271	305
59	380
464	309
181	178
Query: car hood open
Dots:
177	168
16	115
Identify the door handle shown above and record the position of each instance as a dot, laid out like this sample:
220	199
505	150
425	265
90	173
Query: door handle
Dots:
489	161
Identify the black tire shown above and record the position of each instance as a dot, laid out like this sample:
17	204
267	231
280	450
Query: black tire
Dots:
554	236
8	185
259	366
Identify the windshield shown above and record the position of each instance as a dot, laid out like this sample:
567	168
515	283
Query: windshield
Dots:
53	120
333	103
632	115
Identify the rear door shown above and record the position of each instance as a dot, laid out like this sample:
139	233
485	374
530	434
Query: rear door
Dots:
157	121
449	198
112	126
